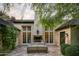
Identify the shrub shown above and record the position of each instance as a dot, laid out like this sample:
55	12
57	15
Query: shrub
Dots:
72	50
9	35
63	46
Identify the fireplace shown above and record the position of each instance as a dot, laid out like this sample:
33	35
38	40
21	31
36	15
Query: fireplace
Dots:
37	38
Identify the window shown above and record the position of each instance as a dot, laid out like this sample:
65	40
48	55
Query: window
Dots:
46	28
24	37
28	37
51	37
29	28
46	37
24	28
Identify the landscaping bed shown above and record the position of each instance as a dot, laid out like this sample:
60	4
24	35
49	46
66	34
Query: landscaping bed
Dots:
4	52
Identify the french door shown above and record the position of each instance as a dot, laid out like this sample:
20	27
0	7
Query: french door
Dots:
48	37
26	37
26	34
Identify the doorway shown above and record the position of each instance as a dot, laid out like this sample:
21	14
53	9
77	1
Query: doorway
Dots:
62	37
26	34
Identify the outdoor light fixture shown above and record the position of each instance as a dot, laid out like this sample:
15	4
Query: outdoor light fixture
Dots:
37	31
67	34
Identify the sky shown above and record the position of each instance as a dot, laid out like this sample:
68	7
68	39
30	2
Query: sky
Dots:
16	11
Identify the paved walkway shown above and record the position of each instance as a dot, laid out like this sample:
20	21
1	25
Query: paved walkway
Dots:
22	51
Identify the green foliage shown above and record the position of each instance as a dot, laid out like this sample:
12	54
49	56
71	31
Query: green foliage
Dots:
5	10
44	13
68	8
9	35
72	50
63	47
3	15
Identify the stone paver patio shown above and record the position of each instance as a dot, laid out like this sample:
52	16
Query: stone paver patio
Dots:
22	51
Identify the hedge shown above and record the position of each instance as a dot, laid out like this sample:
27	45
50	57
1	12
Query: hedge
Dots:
72	50
9	35
63	47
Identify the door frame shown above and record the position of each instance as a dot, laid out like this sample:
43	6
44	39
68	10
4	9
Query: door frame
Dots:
62	37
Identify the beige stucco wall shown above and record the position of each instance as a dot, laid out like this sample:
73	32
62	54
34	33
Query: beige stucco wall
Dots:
19	39
56	35
67	38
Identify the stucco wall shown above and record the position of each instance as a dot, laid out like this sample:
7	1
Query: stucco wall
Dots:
67	38
33	32
75	35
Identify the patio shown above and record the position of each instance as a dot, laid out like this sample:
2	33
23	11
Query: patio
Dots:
22	51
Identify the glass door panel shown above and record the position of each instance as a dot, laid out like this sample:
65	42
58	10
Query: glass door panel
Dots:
28	37
24	37
46	37
51	37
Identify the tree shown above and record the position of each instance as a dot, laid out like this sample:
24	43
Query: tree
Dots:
68	9
5	9
4	15
44	12
63	10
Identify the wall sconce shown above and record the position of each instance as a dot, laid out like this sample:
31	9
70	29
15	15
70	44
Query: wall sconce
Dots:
66	34
37	32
